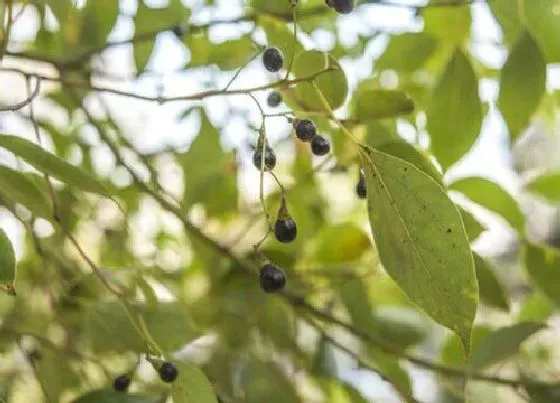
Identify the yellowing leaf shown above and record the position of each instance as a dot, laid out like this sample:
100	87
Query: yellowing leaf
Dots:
455	111
522	84
422	241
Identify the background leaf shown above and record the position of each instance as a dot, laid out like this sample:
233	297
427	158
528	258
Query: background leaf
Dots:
7	263
546	186
378	103
192	386
543	266
491	290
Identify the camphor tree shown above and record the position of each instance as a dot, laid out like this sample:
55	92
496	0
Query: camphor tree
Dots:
266	201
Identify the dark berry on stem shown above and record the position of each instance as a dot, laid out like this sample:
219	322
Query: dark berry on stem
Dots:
168	372
273	59
341	6
320	146
361	189
121	383
274	99
285	230
272	278
305	129
269	159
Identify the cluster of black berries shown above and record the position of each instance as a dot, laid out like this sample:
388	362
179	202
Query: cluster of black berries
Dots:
167	373
306	131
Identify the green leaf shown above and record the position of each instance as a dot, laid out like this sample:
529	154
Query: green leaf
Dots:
502	344
543	266
153	20
421	241
507	15
522	84
7	264
536	307
492	197
341	243
546	186
332	84
279	35
98	20
192	385
48	370
451	352
265	382
448	24
111	396
544	23
455	112
18	188
492	293
378	103
472	226
407	52
324	362
209	172
50	164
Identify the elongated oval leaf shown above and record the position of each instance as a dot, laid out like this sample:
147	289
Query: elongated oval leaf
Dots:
48	163
192	386
543	266
544	23
455	111
422	241
378	103
546	186
492	292
522	84
502	344
17	188
111	396
7	264
491	196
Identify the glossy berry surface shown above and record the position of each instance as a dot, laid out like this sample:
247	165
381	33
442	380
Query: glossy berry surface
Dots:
285	231
269	159
320	146
305	129
361	189
273	59
168	372
121	383
272	278
274	99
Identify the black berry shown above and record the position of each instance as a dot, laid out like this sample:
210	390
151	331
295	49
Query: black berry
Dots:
178	31
285	230
121	383
269	159
271	278
274	99
320	146
305	129
361	189
341	6
273	59
168	372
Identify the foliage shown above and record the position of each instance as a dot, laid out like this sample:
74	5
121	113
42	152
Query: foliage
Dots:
129	255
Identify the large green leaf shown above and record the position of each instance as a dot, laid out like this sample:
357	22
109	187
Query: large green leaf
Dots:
502	344
543	266
98	20
492	292
407	52
546	186
18	188
192	385
492	197
448	24
544	23
378	103
455	111
332	84
48	163
111	396
422	241
7	264
522	84
507	15
209	172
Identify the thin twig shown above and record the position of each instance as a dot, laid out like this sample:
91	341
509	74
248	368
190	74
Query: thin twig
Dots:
30	97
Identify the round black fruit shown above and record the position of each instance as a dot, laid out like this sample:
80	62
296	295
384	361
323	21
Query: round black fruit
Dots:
269	159
273	59
285	230
274	99
121	383
168	372
305	129
272	278
361	189
320	146
341	6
